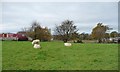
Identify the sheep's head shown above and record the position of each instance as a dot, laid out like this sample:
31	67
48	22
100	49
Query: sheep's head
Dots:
36	41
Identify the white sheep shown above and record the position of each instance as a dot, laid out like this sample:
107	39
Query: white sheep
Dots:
67	44
36	46
36	43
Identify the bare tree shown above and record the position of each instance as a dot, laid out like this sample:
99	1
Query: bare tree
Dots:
65	30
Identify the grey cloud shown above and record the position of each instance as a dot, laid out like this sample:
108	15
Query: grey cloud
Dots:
84	15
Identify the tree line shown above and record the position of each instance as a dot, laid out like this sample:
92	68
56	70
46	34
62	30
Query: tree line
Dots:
67	31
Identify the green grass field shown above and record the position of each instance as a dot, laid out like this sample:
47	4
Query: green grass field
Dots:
55	56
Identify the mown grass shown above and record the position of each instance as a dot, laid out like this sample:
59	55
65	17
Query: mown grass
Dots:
55	56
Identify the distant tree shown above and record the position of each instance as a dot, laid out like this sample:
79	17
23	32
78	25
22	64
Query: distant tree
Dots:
82	36
44	34
65	30
75	36
37	32
114	34
107	35
99	32
56	37
34	30
118	34
85	36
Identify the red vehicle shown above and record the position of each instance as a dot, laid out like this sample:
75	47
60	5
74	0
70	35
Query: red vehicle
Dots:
12	36
22	37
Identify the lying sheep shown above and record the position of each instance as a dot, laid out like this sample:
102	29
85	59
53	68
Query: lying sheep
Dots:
36	43
67	44
36	46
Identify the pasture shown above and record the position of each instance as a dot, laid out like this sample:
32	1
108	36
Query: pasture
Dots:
20	55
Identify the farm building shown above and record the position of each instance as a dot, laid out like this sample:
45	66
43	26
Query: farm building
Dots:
12	36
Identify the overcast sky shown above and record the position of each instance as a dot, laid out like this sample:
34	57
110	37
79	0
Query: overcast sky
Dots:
85	15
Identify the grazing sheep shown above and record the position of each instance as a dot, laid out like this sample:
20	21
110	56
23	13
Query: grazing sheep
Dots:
67	44
36	46
36	43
